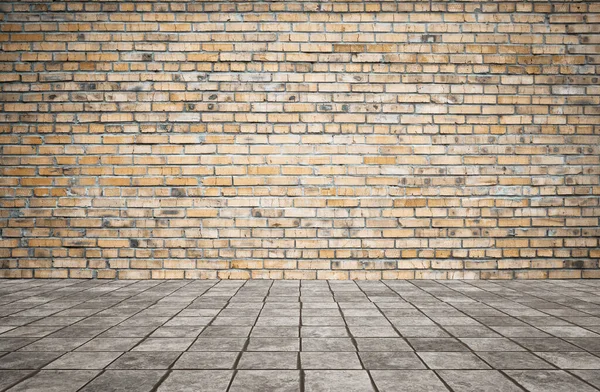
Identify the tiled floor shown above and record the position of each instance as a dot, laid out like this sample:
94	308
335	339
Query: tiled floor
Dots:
166	336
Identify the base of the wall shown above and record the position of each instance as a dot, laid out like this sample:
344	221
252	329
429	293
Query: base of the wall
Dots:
300	274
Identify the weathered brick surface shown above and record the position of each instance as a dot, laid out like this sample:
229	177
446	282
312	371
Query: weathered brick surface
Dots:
335	140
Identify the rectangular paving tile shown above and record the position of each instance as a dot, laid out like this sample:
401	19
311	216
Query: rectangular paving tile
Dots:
337	381
384	360
549	381
12	377
56	344
274	344
329	360
110	344
478	380
196	380
407	381
491	344
27	359
164	344
514	360
145	360
266	380
55	381
268	360
327	344
218	344
571	360
125	380
206	360
84	360
452	360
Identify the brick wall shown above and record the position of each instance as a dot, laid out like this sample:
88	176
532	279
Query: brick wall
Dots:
333	139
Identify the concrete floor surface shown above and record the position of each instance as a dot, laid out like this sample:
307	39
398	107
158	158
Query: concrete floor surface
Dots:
314	336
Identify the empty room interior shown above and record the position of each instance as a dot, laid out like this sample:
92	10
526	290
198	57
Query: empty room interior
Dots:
299	196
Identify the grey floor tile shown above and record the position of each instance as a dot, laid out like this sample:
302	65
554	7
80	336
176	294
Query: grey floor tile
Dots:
127	332
569	332
407	381
55	381
437	344
388	360
367	321
546	344
266	380
237	320
411	321
84	360
125	380
452	360
491	344
382	344
275	332
478	381
27	360
206	360
327	344
323	321
12	344
520	332
548	381
218	344
110	344
329	360
265	321
55	344
571	360
337	381
164	344
324	332
11	377
29	332
196	380
514	360
268	360
462	331
589	344
143	360
422	332
373	332
274	344
591	376
188	321
225	332
177	332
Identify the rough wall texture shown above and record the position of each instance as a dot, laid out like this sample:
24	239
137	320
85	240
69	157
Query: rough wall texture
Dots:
300	139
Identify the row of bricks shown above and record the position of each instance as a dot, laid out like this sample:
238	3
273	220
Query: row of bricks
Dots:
373	188
310	38
491	17
290	264
218	258
302	243
291	118
273	111
290	60
515	186
313	87
223	143
304	6
454	221
298	274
